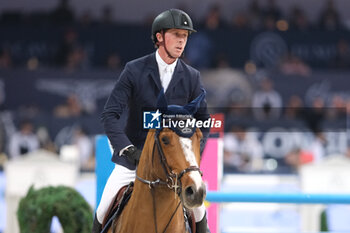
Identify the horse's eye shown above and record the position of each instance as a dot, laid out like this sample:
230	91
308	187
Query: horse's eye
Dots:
165	140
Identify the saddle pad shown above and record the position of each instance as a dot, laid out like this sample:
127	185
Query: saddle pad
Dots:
117	205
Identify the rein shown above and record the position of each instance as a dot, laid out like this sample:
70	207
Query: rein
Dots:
172	178
173	181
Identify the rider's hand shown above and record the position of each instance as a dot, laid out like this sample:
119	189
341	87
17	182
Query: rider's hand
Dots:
132	154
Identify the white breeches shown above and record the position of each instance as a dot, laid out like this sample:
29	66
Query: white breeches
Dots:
119	177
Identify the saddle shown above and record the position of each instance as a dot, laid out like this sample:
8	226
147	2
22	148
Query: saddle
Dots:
121	199
117	205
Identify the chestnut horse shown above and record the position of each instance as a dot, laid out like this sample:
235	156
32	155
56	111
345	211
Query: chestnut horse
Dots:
168	179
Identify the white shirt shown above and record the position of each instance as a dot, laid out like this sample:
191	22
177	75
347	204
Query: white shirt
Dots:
166	71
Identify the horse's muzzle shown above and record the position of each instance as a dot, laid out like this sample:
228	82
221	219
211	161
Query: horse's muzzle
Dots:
194	196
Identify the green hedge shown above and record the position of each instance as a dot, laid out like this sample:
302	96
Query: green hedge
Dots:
36	210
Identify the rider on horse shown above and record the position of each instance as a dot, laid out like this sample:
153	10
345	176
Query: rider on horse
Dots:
138	88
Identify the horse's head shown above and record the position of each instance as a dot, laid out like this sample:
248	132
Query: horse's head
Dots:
180	158
178	145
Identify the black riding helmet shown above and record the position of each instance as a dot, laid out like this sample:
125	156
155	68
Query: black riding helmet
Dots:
172	18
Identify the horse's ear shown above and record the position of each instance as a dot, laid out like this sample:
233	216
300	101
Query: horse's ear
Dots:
194	105
162	104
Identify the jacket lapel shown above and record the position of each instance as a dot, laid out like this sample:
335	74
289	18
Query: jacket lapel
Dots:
177	76
153	70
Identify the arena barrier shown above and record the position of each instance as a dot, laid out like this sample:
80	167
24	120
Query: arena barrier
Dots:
292	198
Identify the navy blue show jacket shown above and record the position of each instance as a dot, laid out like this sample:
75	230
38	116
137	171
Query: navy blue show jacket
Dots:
137	89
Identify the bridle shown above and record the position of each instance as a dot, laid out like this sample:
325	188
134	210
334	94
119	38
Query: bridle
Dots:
173	180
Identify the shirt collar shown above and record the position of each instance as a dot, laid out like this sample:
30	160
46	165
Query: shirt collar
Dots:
163	66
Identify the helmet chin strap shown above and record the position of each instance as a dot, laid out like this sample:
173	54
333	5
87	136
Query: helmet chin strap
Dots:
166	50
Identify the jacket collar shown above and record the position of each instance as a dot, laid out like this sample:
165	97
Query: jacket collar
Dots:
154	72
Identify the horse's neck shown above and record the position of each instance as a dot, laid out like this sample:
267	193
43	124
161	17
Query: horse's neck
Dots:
158	204
159	197
164	196
151	169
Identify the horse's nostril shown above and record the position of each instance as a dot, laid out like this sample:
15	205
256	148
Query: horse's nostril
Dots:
189	191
